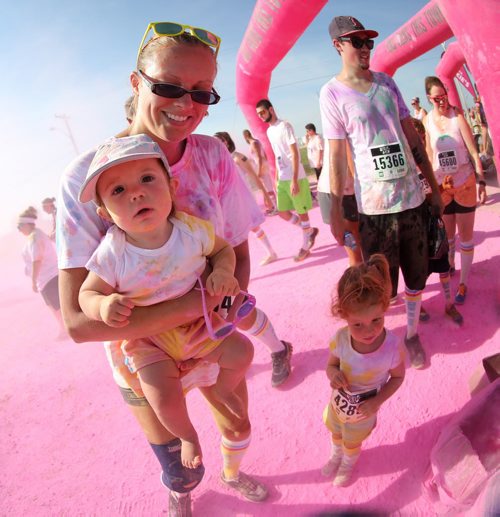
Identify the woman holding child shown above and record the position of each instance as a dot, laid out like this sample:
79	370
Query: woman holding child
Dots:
173	87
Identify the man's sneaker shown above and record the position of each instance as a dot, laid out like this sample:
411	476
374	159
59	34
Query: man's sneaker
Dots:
331	466
417	354
455	316
311	238
281	364
301	255
247	486
461	294
424	315
179	506
270	258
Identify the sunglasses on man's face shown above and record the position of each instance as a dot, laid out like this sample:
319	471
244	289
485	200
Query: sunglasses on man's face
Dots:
175	29
358	43
173	91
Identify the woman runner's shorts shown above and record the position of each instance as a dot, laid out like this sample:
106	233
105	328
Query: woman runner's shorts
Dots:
301	203
460	200
50	293
355	432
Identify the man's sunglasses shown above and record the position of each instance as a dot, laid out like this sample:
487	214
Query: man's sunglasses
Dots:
174	29
173	91
243	311
358	43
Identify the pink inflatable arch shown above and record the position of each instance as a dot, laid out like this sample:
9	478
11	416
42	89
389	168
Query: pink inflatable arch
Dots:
447	69
274	28
426	30
276	25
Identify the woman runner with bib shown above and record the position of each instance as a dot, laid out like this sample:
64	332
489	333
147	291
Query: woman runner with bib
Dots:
365	366
449	142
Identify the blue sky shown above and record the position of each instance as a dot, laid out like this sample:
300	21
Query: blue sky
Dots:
74	59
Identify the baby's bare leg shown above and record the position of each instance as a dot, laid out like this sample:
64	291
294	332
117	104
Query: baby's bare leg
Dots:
235	354
162	388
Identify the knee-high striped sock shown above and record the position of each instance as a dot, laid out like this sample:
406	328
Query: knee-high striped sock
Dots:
261	235
263	330
444	278
466	257
306	229
451	251
413	301
295	219
336	447
232	455
351	455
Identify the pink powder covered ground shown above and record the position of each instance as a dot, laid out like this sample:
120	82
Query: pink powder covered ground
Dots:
70	447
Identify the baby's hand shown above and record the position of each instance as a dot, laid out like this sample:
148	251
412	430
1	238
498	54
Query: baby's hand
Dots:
116	309
369	407
221	283
339	380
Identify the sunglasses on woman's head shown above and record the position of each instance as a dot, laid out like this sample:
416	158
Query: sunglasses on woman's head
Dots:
358	43
175	29
243	311
173	91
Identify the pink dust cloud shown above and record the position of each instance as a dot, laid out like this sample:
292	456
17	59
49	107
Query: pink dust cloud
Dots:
70	447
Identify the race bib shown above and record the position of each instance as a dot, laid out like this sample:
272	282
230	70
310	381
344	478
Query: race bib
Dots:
346	404
389	162
448	161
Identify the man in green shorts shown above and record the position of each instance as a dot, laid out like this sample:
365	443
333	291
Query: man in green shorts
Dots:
293	192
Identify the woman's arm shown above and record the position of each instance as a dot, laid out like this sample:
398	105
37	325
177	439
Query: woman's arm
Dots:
35	271
145	321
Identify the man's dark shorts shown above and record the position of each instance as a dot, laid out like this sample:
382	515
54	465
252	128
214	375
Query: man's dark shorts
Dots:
402	238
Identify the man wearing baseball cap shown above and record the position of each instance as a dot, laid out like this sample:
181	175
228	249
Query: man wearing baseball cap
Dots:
365	109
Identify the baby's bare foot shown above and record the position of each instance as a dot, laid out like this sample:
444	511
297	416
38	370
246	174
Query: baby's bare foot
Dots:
191	456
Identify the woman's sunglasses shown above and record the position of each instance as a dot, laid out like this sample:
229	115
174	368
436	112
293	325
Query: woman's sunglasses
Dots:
174	29
439	98
173	91
358	43
243	311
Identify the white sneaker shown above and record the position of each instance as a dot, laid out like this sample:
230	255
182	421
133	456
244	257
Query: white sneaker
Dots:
344	473
268	259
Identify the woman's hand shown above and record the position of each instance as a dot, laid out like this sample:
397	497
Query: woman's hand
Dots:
481	193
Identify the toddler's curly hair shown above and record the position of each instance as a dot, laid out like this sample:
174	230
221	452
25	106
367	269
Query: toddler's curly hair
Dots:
362	286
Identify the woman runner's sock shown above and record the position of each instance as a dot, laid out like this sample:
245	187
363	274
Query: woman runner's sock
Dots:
444	278
232	455
261	235
263	330
466	257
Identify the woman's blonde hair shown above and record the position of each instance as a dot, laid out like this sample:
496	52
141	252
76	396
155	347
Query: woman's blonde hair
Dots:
362	286
154	45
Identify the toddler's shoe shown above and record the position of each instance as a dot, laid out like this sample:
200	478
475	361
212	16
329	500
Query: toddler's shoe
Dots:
331	466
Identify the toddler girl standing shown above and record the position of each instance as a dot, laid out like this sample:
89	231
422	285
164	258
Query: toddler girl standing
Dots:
365	366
